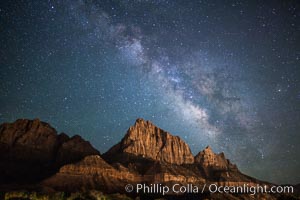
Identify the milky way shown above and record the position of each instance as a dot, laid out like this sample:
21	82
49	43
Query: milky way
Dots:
214	73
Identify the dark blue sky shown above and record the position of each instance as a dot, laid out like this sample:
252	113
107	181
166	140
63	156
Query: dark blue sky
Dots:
214	73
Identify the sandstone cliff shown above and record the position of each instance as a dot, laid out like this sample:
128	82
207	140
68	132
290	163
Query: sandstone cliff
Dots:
146	140
208	159
90	173
31	150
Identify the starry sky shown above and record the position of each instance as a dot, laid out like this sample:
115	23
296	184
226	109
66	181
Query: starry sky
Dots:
218	73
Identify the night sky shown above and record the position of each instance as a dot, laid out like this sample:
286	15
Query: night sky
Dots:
218	73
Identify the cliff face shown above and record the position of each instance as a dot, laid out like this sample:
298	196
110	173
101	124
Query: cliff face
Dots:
208	159
31	150
148	141
28	138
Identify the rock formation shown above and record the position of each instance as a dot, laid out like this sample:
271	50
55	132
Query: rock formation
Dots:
208	159
74	149
148	141
31	150
146	154
91	172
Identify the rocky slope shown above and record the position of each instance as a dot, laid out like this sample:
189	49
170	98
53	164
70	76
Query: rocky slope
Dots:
31	150
90	173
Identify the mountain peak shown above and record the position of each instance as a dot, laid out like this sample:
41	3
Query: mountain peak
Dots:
140	120
142	123
37	146
208	158
208	148
148	141
33	133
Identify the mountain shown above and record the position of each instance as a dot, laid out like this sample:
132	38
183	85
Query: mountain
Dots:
31	150
146	154
207	158
146	140
158	156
